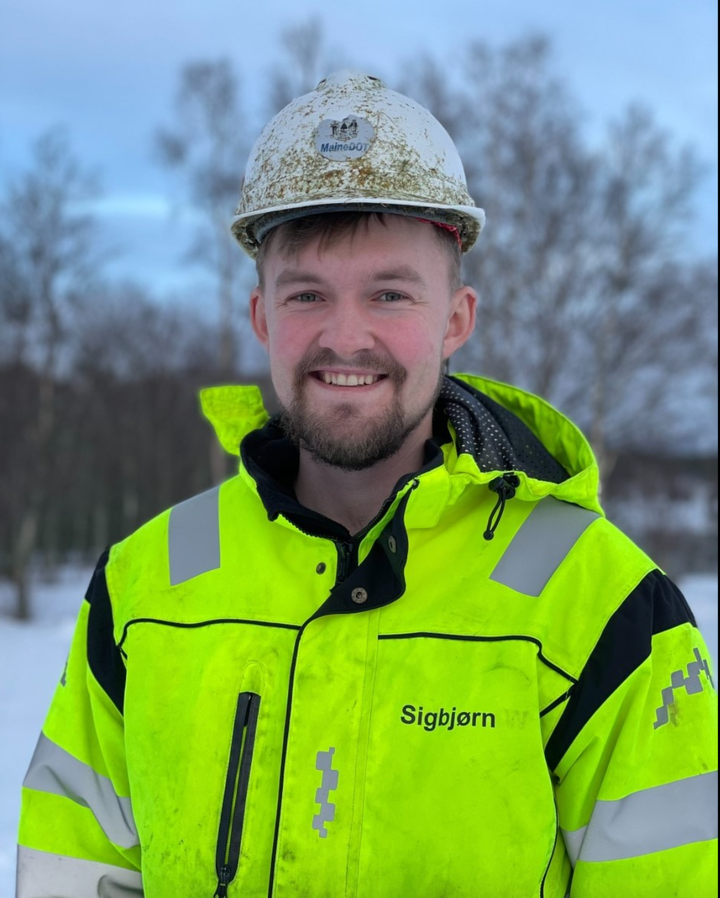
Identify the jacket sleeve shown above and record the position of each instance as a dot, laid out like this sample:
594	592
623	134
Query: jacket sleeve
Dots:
77	835
634	755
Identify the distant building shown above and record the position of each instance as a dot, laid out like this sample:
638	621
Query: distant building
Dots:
669	506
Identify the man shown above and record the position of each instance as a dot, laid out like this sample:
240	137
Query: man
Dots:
402	653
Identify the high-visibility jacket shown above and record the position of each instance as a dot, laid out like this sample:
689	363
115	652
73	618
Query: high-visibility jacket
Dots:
253	708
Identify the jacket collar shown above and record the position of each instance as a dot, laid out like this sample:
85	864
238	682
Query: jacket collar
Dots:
493	428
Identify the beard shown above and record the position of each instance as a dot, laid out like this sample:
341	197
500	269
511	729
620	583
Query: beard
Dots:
342	437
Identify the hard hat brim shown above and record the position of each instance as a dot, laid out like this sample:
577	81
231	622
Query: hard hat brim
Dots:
251	228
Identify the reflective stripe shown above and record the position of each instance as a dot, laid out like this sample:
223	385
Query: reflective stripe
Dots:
573	842
44	875
656	819
541	544
56	771
323	762
194	537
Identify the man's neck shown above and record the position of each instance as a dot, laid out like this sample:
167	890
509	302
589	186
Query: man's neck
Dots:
353	498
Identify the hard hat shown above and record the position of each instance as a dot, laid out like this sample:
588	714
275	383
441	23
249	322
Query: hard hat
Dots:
353	144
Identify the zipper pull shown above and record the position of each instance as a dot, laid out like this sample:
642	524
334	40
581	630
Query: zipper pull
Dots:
223	882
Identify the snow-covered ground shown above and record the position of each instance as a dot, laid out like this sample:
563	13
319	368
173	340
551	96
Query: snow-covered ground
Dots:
32	657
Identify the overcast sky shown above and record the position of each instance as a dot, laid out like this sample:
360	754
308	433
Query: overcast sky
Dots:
109	70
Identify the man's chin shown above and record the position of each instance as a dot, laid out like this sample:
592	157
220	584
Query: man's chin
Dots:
349	458
352	448
344	439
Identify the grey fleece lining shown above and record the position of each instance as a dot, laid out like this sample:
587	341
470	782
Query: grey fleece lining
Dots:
496	438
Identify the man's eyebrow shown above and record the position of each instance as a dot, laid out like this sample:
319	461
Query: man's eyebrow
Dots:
401	273
291	276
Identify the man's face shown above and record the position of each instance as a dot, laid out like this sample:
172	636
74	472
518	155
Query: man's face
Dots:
357	334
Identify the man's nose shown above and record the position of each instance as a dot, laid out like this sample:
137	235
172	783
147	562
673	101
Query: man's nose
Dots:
348	329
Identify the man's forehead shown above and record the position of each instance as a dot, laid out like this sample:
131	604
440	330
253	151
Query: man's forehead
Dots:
385	232
383	241
291	272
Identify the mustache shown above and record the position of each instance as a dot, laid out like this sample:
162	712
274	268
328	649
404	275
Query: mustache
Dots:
365	359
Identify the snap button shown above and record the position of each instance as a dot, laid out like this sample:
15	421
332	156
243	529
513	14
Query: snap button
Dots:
320	569
392	545
359	595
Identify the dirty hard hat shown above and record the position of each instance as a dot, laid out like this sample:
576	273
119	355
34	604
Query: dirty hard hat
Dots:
353	144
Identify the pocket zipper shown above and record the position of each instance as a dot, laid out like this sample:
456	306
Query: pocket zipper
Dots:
227	855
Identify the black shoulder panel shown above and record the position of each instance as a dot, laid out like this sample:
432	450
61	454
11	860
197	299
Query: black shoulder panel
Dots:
103	655
654	606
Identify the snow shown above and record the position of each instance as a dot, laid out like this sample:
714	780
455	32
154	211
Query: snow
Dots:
32	657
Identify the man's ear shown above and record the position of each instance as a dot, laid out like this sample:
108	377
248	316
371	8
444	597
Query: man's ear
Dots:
461	322
258	318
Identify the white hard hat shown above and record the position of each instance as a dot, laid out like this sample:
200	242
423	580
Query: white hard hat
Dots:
353	144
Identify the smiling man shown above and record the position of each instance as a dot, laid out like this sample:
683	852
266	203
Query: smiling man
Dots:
358	319
402	652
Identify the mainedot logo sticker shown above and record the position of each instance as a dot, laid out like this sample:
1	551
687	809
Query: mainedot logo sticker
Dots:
444	719
348	138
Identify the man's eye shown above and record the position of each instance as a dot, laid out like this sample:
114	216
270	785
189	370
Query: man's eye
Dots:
305	297
391	296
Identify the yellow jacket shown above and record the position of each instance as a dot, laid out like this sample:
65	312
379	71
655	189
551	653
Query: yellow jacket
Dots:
256	705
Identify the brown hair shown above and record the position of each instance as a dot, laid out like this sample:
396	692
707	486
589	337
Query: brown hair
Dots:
332	227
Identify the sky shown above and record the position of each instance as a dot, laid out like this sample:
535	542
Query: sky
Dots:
108	72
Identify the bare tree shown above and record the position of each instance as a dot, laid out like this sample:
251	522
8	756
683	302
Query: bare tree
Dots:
48	262
206	146
646	324
531	165
128	441
138	367
304	60
586	293
585	296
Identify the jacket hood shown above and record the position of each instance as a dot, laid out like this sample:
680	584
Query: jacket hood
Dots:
235	411
560	438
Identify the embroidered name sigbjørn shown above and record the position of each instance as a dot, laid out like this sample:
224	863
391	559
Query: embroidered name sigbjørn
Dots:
442	719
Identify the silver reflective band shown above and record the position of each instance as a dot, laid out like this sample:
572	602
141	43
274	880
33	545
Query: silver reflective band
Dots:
44	875
323	762
652	820
541	544
56	771
194	537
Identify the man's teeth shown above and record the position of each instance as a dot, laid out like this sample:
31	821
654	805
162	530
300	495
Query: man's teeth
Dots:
349	380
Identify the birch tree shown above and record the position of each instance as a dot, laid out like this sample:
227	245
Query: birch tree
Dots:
49	260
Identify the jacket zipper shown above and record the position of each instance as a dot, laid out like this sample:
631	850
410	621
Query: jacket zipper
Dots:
227	855
345	551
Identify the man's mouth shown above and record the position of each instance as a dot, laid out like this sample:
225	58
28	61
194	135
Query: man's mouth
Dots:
348	380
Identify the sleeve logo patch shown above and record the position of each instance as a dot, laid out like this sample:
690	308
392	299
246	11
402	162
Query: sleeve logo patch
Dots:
692	683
